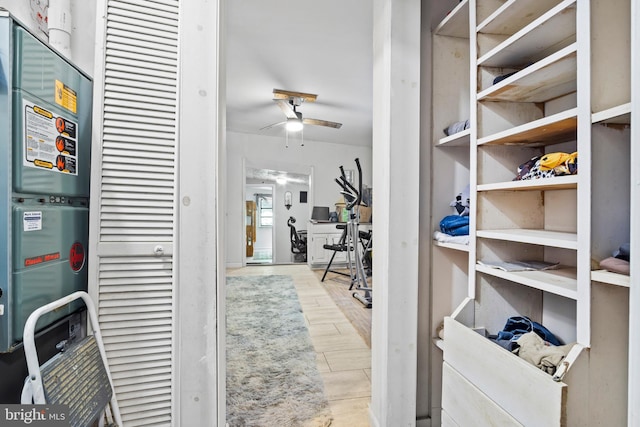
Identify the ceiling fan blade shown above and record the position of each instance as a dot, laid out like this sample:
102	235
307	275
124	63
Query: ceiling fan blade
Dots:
318	122
272	125
287	94
287	109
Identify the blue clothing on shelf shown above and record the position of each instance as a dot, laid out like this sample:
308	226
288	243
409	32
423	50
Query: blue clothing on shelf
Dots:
455	225
623	252
516	326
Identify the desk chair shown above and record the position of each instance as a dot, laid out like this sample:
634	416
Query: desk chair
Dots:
298	241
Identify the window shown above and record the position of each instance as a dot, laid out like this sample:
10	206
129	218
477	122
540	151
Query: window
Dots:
265	210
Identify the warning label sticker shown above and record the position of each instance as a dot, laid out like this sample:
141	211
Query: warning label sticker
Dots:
66	97
32	221
50	141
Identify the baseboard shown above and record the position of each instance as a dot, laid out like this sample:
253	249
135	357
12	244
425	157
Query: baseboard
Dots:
423	422
234	265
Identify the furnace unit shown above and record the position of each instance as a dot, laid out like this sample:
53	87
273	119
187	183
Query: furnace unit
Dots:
45	144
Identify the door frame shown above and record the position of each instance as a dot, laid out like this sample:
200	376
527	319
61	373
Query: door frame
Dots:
273	227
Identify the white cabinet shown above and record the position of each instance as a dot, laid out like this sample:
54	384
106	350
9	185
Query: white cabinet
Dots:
318	235
533	78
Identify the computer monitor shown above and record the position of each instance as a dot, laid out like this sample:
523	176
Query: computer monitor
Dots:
320	213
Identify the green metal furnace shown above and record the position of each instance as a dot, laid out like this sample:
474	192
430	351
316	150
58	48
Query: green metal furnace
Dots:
45	149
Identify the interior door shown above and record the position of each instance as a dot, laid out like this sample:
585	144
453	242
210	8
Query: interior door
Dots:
250	223
133	203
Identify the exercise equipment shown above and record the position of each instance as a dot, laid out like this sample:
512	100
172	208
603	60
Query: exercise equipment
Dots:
353	197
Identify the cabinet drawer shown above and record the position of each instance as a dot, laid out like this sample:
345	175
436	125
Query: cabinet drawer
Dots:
528	394
466	405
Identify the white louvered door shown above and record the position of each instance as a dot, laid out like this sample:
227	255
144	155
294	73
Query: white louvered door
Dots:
133	202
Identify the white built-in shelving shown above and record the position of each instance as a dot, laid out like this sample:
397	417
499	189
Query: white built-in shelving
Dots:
456	23
543	77
556	28
611	278
556	239
459	139
544	131
453	246
449	166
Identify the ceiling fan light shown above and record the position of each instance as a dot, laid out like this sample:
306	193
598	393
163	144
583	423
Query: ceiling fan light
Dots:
294	125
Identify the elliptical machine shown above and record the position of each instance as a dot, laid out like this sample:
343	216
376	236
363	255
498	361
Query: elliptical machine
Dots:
353	197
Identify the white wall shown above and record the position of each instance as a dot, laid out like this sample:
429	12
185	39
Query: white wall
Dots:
83	25
270	153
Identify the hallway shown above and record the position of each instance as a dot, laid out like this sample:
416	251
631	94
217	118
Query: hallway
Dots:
344	359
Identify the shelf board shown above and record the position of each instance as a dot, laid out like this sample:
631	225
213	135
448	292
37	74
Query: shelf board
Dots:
514	15
456	23
544	184
620	114
549	78
547	130
454	246
610	278
555	26
458	139
555	239
560	281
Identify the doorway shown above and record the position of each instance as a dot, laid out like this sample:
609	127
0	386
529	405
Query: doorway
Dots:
274	197
259	220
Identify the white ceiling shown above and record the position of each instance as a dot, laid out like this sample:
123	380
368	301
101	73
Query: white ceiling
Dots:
320	47
271	176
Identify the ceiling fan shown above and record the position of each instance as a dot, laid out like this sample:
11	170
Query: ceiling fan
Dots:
289	102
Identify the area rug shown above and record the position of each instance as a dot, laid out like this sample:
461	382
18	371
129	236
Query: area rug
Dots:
272	377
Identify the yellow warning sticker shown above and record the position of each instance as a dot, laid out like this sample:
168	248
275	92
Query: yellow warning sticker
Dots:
66	97
43	164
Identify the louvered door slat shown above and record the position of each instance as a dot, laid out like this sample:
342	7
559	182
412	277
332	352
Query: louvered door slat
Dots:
155	374
143	107
148	43
148	119
135	289
148	336
132	57
142	112
151	11
147	154
138	30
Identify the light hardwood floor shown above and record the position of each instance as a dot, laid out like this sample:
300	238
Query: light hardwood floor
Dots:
344	359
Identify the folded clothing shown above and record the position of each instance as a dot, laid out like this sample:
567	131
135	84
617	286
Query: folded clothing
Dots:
456	127
455	225
548	165
615	265
561	163
447	238
540	353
